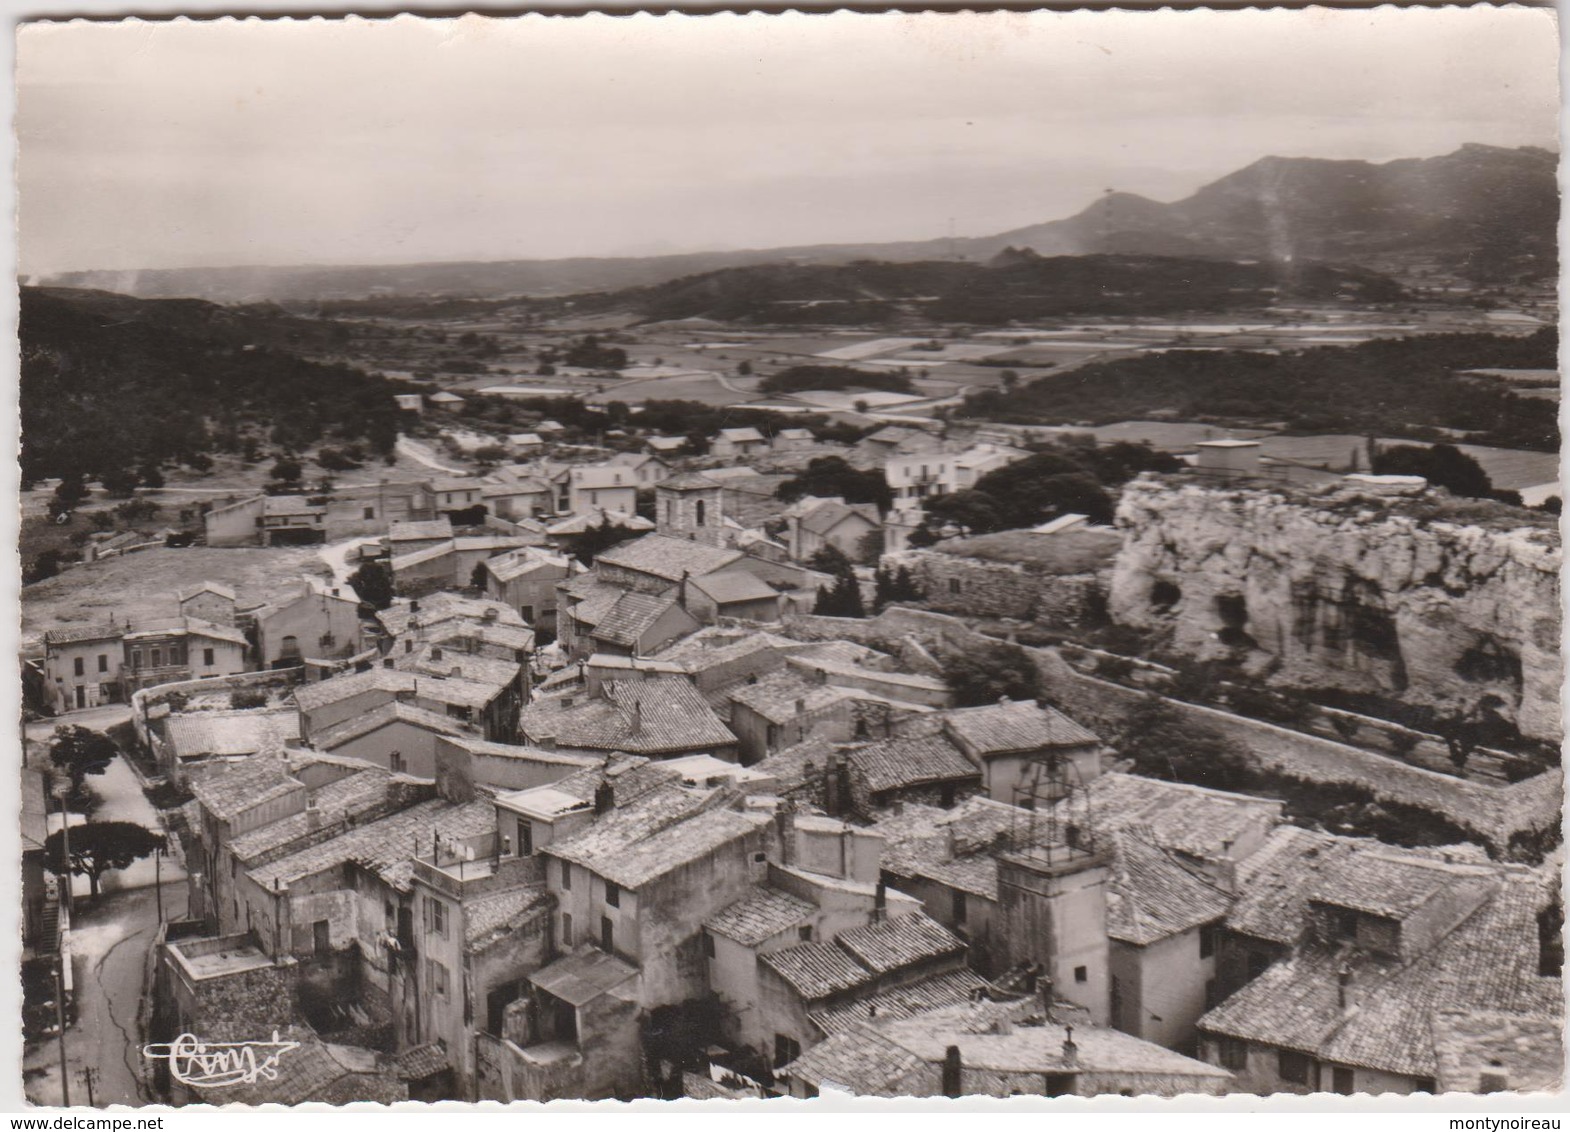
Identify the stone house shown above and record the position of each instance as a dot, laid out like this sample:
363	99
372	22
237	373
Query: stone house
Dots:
639	624
647	468
657	718
320	621
605	487
456	493
737	443
734	595
814	523
526	580
1008	739
781	709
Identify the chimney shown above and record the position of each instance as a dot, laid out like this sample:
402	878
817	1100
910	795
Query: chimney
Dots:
313	815
823	676
681	590
831	786
1070	1050
414	607
1495	1078
1344	986
953	1073
637	718
604	799
785	824
880	903
801	706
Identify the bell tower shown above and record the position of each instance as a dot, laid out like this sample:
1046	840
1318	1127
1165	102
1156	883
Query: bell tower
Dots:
689	506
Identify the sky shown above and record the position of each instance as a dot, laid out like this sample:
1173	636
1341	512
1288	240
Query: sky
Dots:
145	145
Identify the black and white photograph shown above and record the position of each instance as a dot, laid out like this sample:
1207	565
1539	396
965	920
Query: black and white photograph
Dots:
812	555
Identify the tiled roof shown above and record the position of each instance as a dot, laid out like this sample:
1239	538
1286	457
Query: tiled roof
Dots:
228	789
1152	896
483	632
740	434
1526	1049
420	530
789	767
716	644
354	795
783	696
816	970
1276	883
1190	819
424	554
663	831
735	585
452	663
516	565
830	514
439	607
71	634
288	505
583	976
592	608
900	941
420	1062
1488	963
892	764
385	846
758	916
314	1072
633	615
1017	726
391	681
654	716
492	915
860	1060
230	733
1035	1048
381	716
668	558
946	988
206	587
688	481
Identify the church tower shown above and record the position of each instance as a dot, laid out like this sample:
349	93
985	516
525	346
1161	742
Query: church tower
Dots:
689	506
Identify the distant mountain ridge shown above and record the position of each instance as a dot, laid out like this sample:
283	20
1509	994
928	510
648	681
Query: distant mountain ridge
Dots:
1486	213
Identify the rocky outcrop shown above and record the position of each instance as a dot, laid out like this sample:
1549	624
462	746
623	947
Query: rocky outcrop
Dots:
1440	602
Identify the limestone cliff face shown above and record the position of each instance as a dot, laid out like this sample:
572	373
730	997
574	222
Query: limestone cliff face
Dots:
1342	587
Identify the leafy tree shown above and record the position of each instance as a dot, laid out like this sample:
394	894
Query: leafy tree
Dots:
70	491
78	752
333	460
827	476
870	547
98	847
136	510
1443	465
743	368
985	675
490	454
46	565
199	462
595	540
151	474
479	577
373	582
895	584
842	599
795	379
287	470
1165	743
118	483
830	559
243	698
1010	380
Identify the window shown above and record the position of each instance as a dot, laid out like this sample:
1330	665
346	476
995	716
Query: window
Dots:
103	662
79	667
804	933
1233	1054
954	586
1346	923
527	611
1292	1066
207	658
708	946
370	513
612	895
157	658
1081	975
398	764
321	936
1343	1081
1059	1084
698	512
435	917
786	1050
1207	941
566	929
436	977
959	907
1424	1085
1212	994
525	839
566	876
607	934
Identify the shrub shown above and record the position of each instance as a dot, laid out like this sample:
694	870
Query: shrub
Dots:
242	698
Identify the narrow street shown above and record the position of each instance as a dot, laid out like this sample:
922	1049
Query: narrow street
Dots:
110	943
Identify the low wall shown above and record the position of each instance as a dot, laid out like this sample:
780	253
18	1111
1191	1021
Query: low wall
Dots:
145	699
1492	813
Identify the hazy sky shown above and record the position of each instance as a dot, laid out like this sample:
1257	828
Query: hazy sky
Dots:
154	145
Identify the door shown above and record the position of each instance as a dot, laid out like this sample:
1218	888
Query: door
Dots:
321	937
81	696
1343	1082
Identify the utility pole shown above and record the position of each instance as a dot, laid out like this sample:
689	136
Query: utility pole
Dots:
89	1075
65	1070
158	881
65	855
